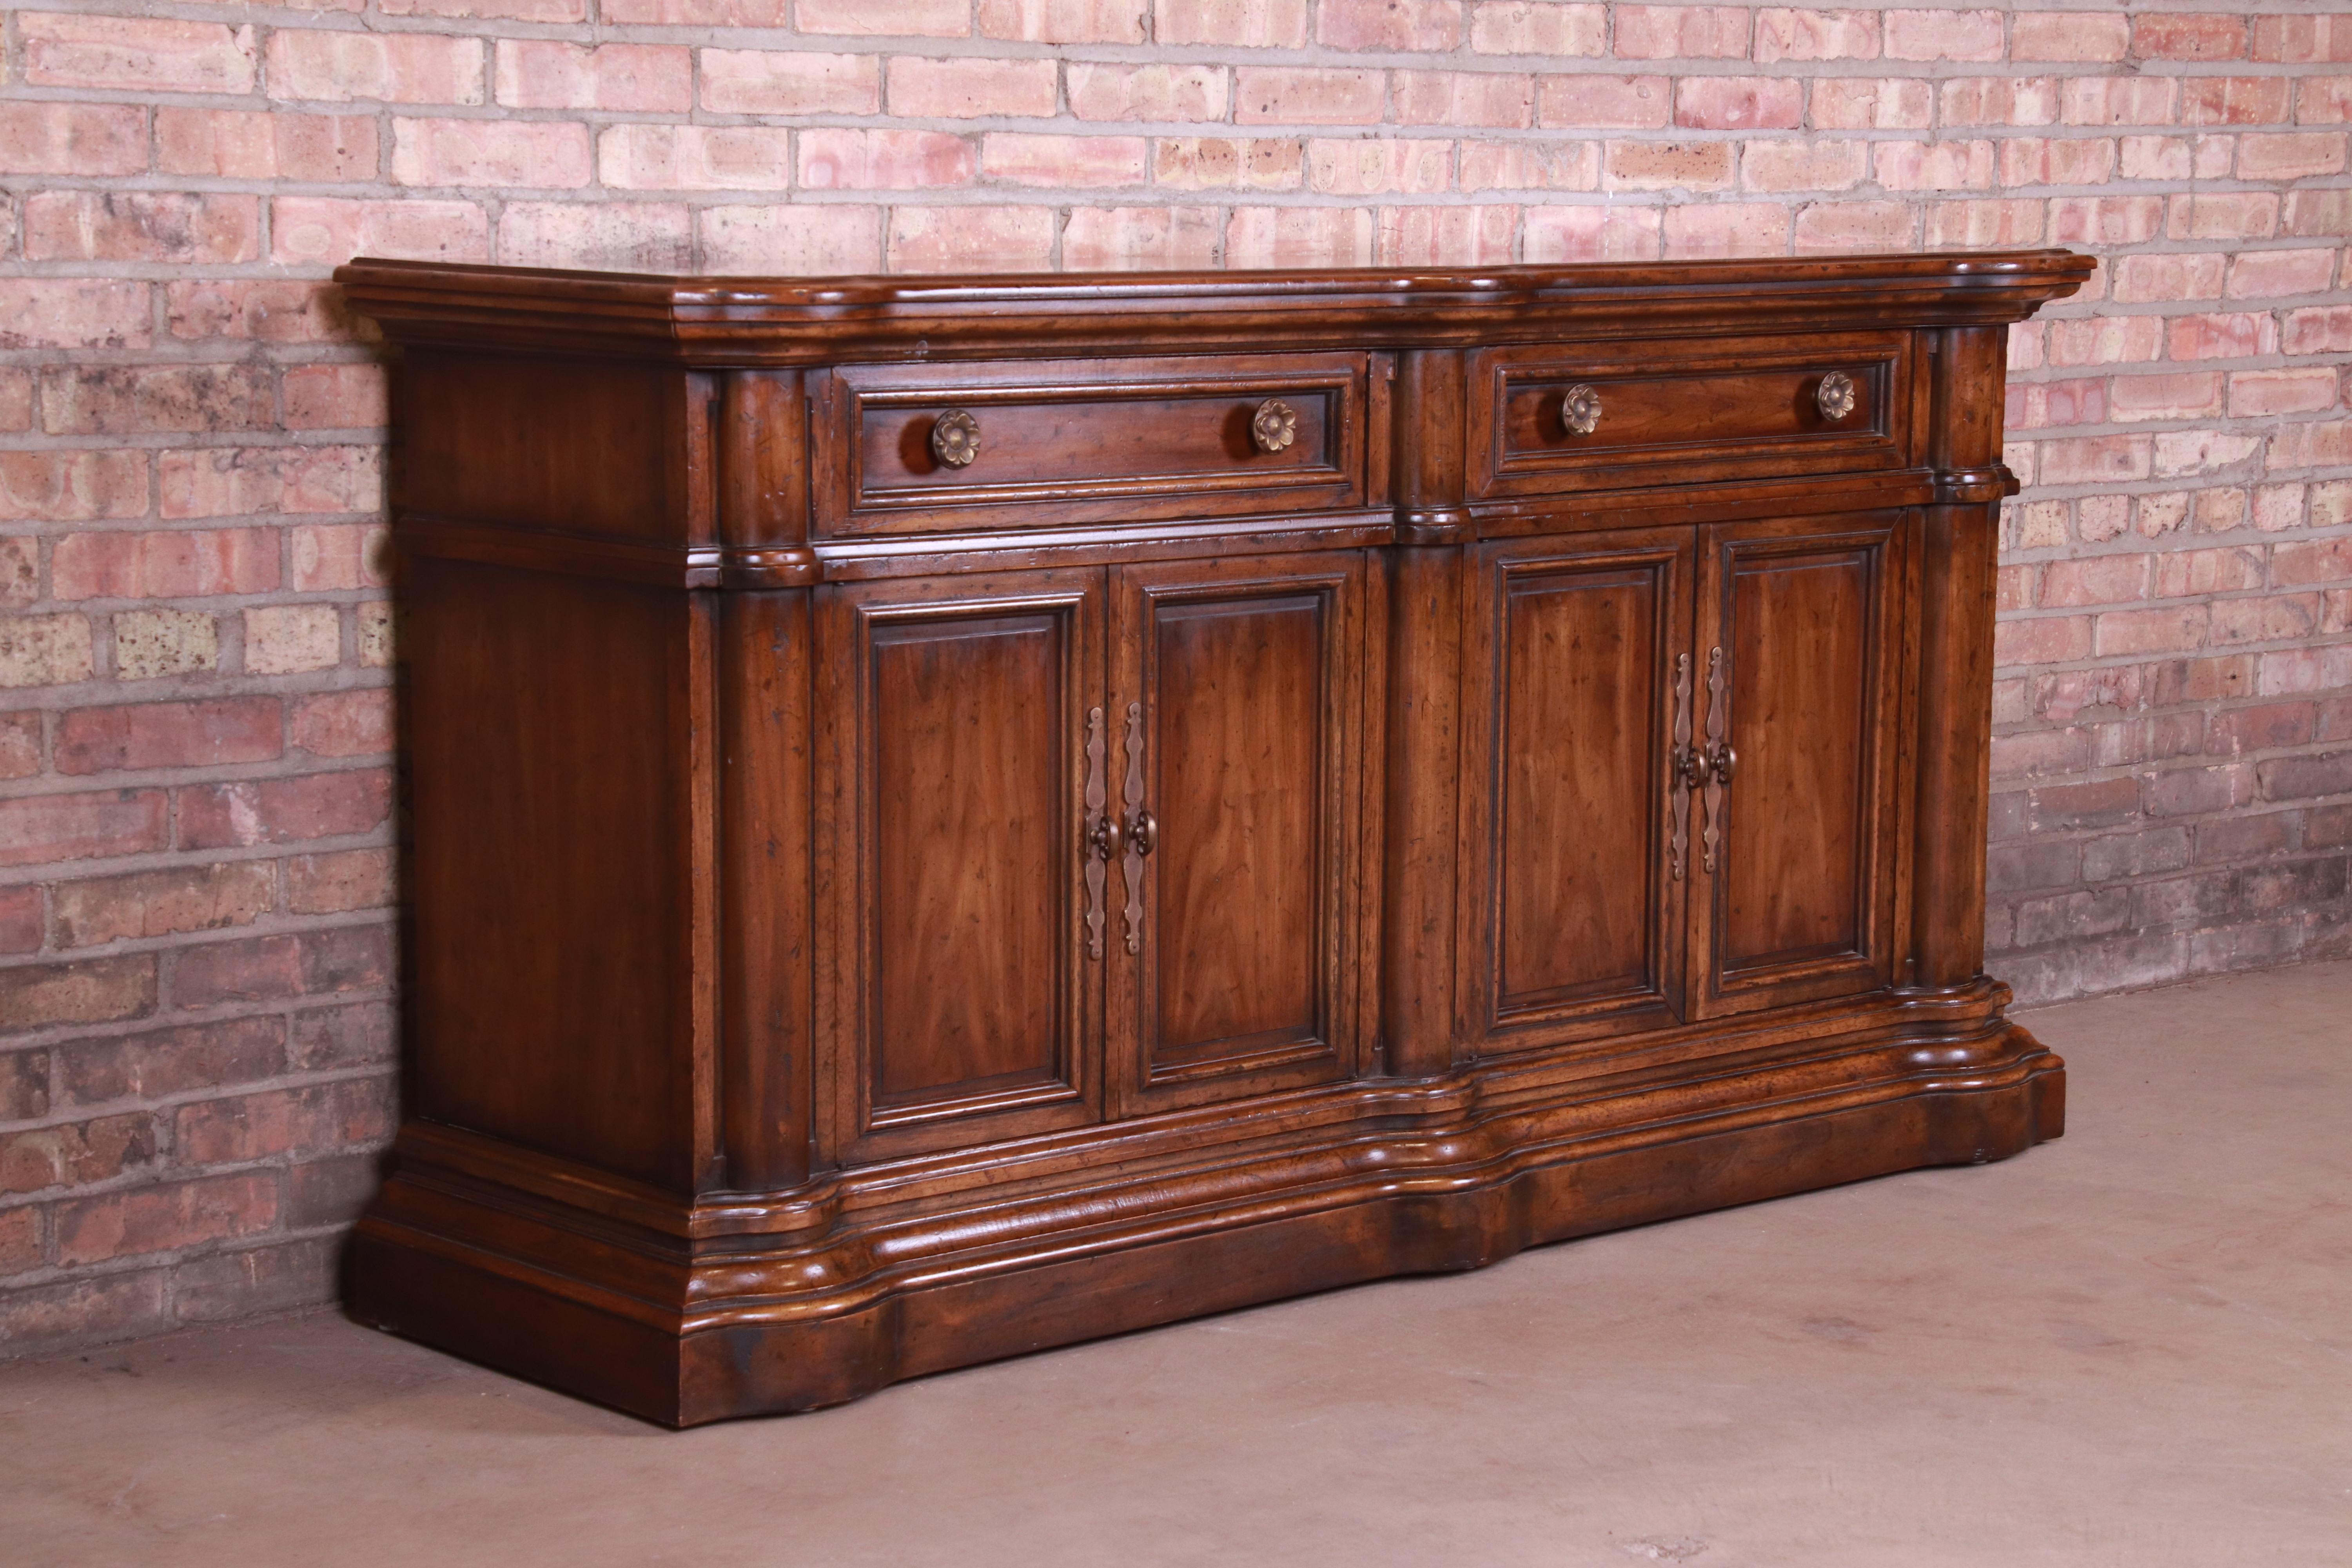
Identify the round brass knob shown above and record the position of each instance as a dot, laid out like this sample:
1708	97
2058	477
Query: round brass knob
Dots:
955	438
1274	426
1581	409
1835	396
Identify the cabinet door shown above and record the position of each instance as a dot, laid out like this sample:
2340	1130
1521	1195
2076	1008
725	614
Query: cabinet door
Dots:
1239	692
957	1001
1572	650
1800	665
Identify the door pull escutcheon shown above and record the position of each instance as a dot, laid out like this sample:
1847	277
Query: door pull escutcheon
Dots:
1102	834
1716	761
1682	764
1142	833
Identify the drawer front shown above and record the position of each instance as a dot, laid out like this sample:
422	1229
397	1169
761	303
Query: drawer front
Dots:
1574	418
1067	443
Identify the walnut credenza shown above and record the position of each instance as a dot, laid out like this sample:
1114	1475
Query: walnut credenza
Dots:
952	816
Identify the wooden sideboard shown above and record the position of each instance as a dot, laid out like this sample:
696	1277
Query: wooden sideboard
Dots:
956	816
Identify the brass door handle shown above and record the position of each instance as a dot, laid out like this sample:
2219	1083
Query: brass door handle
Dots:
1274	426
1143	831
1680	763
955	438
1579	410
1102	834
1716	759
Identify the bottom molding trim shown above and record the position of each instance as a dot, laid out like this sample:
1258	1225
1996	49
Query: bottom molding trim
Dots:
685	1336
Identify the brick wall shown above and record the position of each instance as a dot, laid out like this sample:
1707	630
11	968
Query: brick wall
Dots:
195	1020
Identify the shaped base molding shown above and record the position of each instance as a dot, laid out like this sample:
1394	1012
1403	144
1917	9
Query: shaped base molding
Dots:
749	1304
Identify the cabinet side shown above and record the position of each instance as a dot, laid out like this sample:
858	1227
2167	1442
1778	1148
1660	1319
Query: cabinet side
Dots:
561	836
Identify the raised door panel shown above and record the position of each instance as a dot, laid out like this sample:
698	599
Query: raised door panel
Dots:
1804	691
953	724
1239	691
1572	869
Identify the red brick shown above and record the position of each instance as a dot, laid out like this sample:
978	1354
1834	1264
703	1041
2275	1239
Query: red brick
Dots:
834	159
1464	98
2259	393
344	723
2317	214
1527	166
169	735
347	958
1121	239
1395	25
2170	630
2094	580
2232	100
2089	459
397	68
1998	100
929	18
1680	32
165	1219
501	153
505	10
1726	228
360	1033
2046	639
73	314
1739	103
161	1062
91	141
532	73
624	236
1286	95
762	81
1944	36
2188	395
1833	228
1366	166
83	1311
117	400
41	827
1794	34
1604	102
1528	28
306	1120
2064	161
337	883
1062	160
694	157
75	1155
252	144
964	87
71	487
92	991
1446	236
2068	36
318	231
1300	236
126	53
1101	91
2117	100
2219	336
261	311
1592	232
249	1280
20	930
284	811
971	239
217	481
259	969
2167	278
331	397
20	1253
793	239
2184	572
1933	165
162	903
2301	561
2299	156
2298	39
1064	21
2274	617
2222	215
1667	165
178	564
2159	36
142	226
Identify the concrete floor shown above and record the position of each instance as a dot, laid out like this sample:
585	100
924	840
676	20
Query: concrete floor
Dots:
2132	1347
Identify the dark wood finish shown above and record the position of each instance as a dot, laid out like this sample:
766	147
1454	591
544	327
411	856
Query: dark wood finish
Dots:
876	910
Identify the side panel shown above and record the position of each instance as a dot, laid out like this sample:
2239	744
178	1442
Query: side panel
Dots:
1802	834
951	721
1239	693
1571	657
550	872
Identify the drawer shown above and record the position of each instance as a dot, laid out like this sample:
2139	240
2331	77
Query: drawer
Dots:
1571	417
946	447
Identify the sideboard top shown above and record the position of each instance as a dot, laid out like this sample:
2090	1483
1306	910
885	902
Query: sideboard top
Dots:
808	320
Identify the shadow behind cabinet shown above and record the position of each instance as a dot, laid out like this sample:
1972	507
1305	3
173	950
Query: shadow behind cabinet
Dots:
951	817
